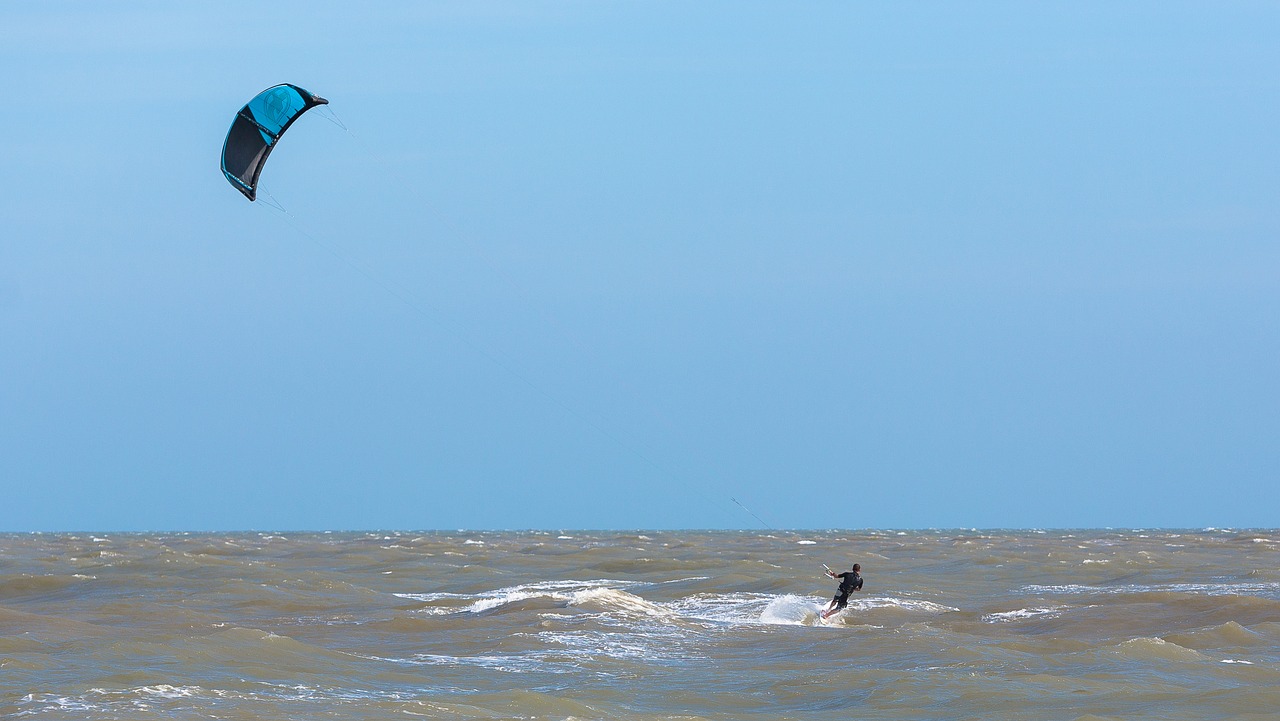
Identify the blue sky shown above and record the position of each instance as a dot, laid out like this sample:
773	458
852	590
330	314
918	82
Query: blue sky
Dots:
608	265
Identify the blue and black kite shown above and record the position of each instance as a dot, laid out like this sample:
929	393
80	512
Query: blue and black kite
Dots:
255	130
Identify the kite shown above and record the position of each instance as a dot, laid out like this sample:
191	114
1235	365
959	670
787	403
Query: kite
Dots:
256	129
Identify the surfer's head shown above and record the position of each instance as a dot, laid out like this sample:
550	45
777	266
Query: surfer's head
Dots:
857	567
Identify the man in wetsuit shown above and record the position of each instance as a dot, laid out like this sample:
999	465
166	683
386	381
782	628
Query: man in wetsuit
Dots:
849	581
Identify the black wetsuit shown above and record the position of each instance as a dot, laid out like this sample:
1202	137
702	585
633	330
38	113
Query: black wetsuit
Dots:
849	581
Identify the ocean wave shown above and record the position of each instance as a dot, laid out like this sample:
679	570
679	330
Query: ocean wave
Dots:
316	627
790	610
661	644
29	587
182	701
910	605
793	609
646	565
1270	590
267	653
1148	649
508	663
608	596
719	608
1022	614
46	628
558	593
617	601
1225	635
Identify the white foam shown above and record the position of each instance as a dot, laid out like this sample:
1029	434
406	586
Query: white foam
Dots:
614	600
736	608
564	591
787	609
1265	590
167	691
508	664
1023	614
667	644
790	610
906	604
54	701
485	604
432	597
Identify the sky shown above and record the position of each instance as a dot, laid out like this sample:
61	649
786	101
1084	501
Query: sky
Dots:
642	265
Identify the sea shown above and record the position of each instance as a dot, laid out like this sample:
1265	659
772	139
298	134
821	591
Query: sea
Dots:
951	624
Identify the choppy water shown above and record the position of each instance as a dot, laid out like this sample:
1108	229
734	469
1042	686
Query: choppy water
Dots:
716	625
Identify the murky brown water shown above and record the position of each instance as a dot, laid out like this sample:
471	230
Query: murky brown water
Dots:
640	625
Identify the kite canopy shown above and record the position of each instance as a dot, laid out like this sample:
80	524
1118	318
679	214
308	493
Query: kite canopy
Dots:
255	130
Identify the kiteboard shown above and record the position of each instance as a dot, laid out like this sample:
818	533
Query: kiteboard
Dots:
825	617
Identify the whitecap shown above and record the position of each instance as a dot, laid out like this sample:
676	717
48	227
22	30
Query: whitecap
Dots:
611	599
167	691
1023	614
1264	590
565	591
906	604
507	664
789	609
430	596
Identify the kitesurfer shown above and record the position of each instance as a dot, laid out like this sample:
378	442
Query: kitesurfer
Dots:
849	581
